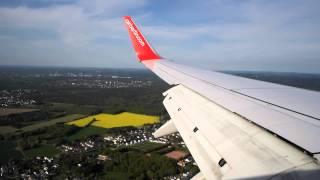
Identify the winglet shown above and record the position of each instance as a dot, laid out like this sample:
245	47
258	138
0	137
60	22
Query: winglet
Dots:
141	46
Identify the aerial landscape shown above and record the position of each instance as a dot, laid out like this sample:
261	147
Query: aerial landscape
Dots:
97	128
87	91
98	137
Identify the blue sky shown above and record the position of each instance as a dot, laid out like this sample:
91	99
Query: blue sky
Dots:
268	35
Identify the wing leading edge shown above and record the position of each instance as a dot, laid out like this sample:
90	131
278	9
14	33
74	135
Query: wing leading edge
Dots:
237	117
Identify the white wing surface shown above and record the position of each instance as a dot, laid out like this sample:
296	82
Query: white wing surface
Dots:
236	127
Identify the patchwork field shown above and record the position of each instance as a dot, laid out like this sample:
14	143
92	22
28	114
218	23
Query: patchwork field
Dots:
118	120
86	132
7	129
8	111
43	150
148	146
53	122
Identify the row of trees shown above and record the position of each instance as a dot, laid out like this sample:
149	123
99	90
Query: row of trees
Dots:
22	119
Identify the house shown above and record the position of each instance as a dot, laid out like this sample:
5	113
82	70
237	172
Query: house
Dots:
103	157
181	163
177	155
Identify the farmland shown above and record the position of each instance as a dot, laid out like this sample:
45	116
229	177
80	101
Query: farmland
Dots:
148	146
52	122
43	150
8	111
7	129
43	103
118	120
86	132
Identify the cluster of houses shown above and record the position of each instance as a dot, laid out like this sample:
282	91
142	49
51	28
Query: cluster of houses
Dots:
134	137
130	138
38	168
79	146
98	81
141	135
102	83
183	159
44	167
127	84
19	97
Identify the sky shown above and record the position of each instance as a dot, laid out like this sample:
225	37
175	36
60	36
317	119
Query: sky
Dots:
254	35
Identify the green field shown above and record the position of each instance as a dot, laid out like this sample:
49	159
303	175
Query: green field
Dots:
72	108
53	122
118	120
8	111
8	151
86	132
148	146
43	150
116	176
7	129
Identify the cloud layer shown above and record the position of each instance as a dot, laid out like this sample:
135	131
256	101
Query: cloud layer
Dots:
229	34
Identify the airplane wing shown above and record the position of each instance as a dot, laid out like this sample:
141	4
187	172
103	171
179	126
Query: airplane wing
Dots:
234	127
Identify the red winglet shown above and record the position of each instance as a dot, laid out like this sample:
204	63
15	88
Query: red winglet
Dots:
143	50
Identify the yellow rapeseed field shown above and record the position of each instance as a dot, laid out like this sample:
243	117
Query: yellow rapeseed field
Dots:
118	120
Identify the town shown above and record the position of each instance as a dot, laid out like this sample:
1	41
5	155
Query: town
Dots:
141	139
18	97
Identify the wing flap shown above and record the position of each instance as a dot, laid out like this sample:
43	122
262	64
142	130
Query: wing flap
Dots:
166	129
225	145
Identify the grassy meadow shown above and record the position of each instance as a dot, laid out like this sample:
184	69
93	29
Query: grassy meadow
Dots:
8	111
7	129
86	132
52	122
43	150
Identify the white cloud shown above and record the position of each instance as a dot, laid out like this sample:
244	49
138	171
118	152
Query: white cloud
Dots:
270	34
273	37
78	26
75	23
